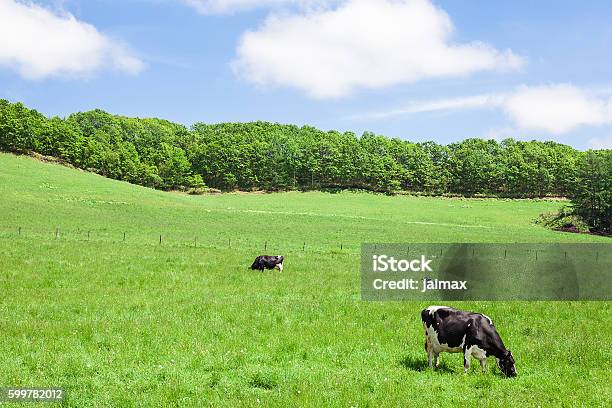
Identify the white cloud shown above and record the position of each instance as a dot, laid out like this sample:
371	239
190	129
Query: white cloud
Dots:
230	6
460	103
557	108
38	43
361	44
554	109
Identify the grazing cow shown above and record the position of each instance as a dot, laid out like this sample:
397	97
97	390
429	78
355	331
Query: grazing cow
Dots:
268	262
473	334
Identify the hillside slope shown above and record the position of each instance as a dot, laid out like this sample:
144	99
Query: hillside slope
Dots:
41	198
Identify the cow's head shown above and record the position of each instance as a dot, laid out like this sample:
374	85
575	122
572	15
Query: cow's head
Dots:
506	364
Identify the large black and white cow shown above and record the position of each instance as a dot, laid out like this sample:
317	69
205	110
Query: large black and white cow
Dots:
268	262
473	334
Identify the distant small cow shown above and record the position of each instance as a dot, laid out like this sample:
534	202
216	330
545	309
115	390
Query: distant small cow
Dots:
268	262
473	334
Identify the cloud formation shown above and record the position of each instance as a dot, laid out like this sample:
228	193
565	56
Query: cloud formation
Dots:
554	109
557	108
459	103
38	44
328	53
231	6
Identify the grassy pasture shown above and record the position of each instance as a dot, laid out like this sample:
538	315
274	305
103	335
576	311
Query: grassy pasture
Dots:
124	322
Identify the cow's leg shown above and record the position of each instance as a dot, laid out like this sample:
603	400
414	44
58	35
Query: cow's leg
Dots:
436	360
466	360
483	364
279	267
429	348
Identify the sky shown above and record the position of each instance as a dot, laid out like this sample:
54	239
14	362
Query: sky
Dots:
418	70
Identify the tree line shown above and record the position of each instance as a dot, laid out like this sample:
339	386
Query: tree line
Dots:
271	156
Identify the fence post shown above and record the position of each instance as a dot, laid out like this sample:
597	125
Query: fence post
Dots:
123	236
57	233
266	246
229	242
341	246
160	239
195	242
304	247
19	233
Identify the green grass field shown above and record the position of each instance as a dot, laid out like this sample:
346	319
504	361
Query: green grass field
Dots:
184	323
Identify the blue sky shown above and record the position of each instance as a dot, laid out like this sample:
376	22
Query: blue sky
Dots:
414	69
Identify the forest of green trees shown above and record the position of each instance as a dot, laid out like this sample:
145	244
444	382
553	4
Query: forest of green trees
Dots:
270	156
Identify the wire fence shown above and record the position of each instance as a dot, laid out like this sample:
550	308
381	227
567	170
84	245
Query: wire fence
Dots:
221	240
170	239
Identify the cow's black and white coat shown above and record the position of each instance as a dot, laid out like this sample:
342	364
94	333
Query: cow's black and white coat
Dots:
457	331
268	262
